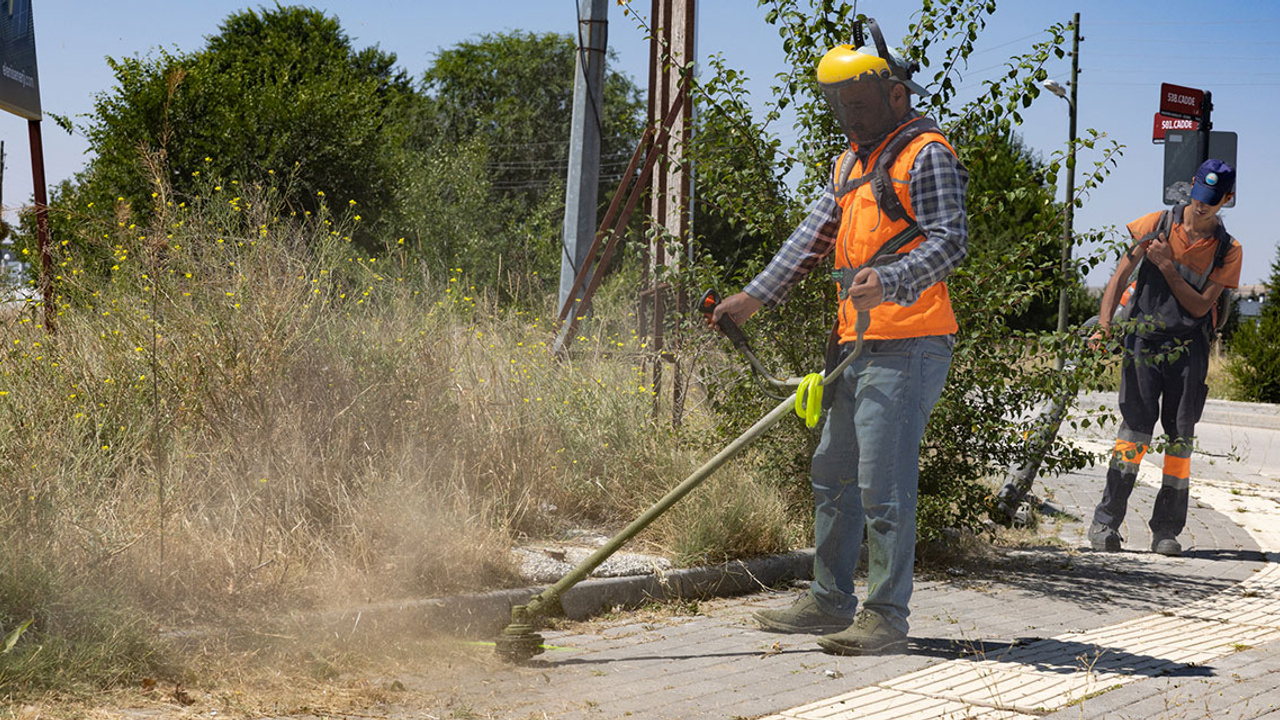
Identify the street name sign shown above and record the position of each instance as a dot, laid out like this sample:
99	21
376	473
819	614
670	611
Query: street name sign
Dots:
1178	101
1164	123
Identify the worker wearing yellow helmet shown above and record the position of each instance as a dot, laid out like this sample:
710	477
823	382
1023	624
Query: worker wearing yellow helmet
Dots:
893	214
866	92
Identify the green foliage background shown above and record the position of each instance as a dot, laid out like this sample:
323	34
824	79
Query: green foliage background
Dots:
464	166
1255	348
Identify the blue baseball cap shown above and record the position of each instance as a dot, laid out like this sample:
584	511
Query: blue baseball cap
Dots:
1214	181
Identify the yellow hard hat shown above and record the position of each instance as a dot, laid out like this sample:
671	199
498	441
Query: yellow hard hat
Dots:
845	63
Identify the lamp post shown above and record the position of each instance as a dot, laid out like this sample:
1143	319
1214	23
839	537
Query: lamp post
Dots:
1064	299
1023	474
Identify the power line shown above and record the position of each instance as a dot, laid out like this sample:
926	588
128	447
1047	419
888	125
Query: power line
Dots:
1168	41
1217	58
1215	84
1007	44
546	163
541	143
1179	23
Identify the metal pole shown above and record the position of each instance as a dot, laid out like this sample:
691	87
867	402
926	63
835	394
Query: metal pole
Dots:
583	183
1064	296
1206	126
42	223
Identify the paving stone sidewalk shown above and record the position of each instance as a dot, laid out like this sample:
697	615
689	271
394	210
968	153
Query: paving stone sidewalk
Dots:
1052	629
1027	604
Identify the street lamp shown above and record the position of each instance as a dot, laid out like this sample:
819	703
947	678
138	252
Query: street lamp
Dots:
1064	299
1056	88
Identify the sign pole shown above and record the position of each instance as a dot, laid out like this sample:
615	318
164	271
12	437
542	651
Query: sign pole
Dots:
42	224
1206	126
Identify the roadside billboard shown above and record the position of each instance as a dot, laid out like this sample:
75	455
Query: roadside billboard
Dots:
19	81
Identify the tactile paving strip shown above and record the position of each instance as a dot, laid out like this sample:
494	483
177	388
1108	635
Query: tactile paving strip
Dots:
881	703
1051	674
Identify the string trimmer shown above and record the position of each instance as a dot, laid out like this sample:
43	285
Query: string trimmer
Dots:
520	640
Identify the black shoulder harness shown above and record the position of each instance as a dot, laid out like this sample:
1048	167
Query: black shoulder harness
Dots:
878	174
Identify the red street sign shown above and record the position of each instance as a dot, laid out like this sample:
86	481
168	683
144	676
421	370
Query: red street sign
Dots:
1164	123
1180	101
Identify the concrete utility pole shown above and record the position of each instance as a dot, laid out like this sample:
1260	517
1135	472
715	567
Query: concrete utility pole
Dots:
582	187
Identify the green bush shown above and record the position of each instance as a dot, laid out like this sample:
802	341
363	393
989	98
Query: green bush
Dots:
1255	359
1254	362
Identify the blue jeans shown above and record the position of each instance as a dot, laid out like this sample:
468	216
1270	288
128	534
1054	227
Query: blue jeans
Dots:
866	471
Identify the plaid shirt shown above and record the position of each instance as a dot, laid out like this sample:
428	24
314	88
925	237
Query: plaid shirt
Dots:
938	185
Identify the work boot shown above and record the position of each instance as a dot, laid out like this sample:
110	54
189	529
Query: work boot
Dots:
870	634
1166	546
1102	537
803	617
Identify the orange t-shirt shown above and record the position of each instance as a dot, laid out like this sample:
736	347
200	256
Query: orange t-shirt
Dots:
1197	256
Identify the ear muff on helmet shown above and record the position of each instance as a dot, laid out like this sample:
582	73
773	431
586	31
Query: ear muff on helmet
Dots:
898	65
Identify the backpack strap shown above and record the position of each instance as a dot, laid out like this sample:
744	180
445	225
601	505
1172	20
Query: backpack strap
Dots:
1130	296
878	175
1163	226
1221	309
1224	246
1220	250
886	197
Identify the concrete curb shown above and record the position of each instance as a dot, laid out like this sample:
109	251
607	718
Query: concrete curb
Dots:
1235	413
485	614
1228	412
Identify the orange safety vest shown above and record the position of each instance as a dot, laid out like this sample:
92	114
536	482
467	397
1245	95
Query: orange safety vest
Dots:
864	227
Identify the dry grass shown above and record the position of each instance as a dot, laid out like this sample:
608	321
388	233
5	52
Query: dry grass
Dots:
249	415
1221	385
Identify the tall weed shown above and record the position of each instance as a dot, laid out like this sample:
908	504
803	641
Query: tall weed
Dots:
244	412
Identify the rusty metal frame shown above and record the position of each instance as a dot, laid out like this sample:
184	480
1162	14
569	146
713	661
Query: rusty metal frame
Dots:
612	226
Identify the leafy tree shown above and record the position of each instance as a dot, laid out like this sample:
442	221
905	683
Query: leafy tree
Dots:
278	92
467	170
1255	348
1012	208
742	204
511	94
514	92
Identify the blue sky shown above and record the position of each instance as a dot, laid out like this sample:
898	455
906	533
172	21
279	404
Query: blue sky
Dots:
1129	49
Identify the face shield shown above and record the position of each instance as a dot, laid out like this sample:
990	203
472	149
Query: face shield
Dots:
861	107
856	84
